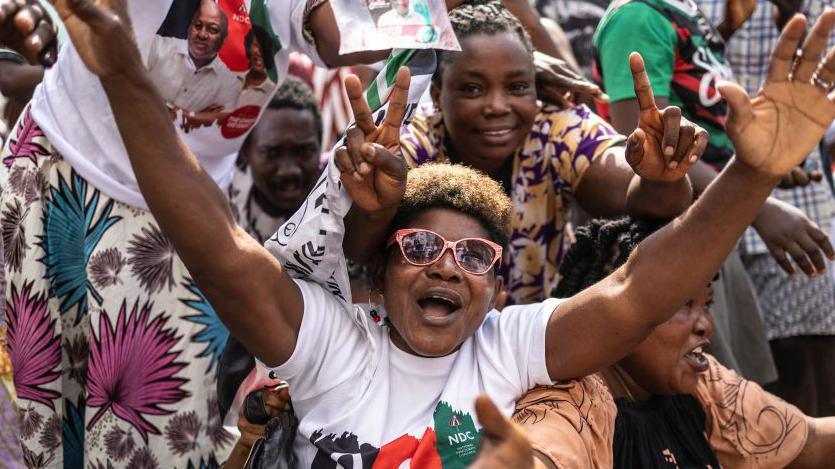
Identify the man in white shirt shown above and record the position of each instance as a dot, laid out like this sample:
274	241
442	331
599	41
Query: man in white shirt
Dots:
188	73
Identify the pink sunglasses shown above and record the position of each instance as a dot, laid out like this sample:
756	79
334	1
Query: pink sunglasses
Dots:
423	247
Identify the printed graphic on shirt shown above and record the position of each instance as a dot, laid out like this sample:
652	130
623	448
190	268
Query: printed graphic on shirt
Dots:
452	444
214	64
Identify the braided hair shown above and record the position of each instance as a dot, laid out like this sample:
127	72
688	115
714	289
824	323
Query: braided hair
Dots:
601	247
473	17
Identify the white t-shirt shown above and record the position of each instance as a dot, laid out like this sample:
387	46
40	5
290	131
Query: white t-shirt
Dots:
72	109
359	403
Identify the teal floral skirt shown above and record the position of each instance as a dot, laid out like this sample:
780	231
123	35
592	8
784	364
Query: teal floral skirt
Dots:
113	347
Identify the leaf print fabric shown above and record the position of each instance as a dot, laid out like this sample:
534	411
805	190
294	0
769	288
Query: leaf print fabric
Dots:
114	349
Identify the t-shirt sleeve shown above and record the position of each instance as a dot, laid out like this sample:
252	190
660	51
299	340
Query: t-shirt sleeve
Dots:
572	424
298	21
330	348
576	138
636	27
512	347
747	426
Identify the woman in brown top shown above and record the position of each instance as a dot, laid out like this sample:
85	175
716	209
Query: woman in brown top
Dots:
668	403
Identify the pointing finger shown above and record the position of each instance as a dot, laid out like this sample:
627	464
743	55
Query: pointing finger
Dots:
784	51
398	100
640	79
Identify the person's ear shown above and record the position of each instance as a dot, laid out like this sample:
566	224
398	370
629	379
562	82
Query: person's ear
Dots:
378	272
435	94
501	294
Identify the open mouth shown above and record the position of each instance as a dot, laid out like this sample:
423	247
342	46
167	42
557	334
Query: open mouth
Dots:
697	358
439	308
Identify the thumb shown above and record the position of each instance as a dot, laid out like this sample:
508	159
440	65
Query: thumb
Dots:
740	111
384	160
494	424
635	147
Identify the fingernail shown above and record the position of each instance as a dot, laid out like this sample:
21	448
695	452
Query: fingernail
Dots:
694	158
669	151
36	42
673	164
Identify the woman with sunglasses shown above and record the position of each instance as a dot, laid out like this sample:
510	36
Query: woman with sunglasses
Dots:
406	391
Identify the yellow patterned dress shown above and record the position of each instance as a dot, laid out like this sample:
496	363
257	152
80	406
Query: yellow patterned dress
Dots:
546	172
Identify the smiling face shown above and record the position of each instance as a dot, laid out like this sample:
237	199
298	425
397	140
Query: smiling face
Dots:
671	359
487	97
206	33
256	58
433	309
283	152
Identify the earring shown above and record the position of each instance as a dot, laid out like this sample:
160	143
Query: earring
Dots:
375	312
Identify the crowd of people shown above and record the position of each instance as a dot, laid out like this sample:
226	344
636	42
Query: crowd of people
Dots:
597	235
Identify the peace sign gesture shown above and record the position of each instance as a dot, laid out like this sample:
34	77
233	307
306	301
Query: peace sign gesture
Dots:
665	145
373	170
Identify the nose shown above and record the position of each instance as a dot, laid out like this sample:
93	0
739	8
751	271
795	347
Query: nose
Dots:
202	33
703	326
286	167
445	268
497	104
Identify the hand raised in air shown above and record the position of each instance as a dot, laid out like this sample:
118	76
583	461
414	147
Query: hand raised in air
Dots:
665	145
373	170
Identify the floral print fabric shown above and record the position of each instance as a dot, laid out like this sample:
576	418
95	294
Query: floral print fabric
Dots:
547	170
113	348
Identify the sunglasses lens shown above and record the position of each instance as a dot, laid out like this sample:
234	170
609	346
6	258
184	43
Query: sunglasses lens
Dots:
422	247
475	255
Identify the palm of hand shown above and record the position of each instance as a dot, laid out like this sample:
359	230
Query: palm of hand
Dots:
780	132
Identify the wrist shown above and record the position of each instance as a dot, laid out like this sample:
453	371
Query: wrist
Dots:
750	173
726	30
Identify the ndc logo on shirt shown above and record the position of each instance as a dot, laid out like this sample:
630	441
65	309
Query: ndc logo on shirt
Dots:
457	438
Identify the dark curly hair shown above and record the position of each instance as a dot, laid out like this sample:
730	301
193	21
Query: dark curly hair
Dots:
458	187
601	247
474	17
295	94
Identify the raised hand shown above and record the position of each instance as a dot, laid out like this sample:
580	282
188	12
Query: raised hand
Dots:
27	28
665	145
102	34
556	81
373	170
776	130
503	444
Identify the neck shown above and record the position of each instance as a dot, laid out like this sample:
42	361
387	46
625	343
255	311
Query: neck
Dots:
255	78
621	384
200	63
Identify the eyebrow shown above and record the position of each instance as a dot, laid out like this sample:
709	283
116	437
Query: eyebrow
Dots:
512	74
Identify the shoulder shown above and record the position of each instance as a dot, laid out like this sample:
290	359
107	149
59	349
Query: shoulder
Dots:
421	141
747	425
622	18
571	423
567	134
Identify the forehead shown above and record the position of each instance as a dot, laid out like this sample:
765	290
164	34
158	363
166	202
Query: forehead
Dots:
449	223
495	55
284	126
208	12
